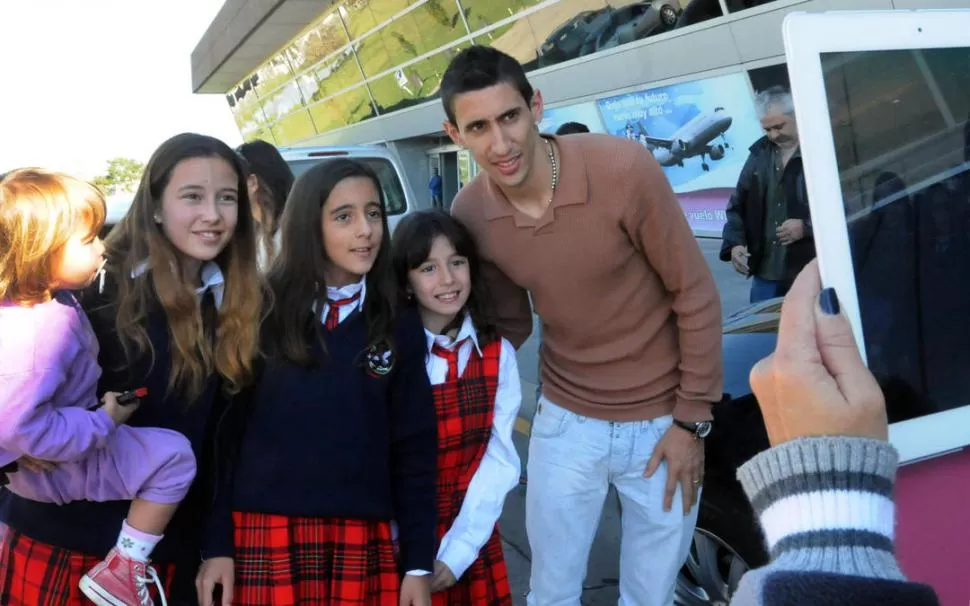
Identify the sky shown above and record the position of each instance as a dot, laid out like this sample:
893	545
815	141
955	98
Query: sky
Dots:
85	81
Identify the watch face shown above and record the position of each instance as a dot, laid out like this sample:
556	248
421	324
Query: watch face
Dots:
704	429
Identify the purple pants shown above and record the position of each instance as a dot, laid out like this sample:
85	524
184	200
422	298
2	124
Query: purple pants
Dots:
148	463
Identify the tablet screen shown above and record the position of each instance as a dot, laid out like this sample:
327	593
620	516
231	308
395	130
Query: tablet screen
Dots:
902	139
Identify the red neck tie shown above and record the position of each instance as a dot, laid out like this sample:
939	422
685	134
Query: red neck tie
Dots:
333	313
451	357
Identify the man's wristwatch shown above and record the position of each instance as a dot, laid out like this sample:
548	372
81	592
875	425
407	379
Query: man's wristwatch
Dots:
700	429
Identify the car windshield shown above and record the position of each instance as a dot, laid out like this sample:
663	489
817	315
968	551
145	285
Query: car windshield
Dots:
391	184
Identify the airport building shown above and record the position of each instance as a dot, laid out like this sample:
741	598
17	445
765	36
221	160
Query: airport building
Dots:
677	75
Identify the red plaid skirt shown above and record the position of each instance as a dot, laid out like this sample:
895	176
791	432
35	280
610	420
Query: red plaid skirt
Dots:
285	561
485	583
37	574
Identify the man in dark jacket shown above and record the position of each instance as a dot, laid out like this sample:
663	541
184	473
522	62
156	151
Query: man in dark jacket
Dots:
768	234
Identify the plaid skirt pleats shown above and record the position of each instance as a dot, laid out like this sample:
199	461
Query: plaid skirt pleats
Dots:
37	574
286	560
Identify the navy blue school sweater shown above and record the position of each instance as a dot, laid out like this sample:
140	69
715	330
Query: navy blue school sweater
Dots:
92	528
338	440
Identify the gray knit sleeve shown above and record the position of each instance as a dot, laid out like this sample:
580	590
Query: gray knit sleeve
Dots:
825	506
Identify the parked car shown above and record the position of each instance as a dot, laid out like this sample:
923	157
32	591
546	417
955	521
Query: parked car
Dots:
595	30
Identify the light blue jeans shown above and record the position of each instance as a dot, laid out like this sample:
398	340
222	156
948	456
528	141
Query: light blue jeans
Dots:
573	460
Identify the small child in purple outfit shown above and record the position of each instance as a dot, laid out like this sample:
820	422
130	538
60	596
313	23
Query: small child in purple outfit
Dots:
50	416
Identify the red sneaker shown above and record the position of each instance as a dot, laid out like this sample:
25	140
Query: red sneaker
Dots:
120	581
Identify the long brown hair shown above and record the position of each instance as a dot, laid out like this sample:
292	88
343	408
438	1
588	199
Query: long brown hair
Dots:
296	277
138	240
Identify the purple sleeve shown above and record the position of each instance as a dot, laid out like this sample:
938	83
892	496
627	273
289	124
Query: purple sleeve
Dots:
31	425
37	352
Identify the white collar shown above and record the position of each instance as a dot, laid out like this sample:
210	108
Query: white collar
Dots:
348	291
467	331
212	279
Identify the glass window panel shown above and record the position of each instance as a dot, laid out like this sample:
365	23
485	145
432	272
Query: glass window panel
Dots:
420	31
330	77
413	84
482	13
390	180
282	101
248	115
571	29
345	109
697	11
324	38
294	127
271	75
363	16
734	6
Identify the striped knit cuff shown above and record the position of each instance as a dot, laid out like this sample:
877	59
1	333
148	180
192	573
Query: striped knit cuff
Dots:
826	504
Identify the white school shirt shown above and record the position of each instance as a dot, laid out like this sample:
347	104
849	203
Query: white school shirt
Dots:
498	472
345	292
211	274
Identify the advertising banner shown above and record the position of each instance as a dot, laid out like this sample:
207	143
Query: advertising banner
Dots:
584	113
699	131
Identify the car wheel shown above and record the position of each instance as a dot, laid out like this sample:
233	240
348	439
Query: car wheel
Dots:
668	15
726	544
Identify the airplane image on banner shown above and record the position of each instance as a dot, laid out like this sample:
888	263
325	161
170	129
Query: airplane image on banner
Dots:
690	140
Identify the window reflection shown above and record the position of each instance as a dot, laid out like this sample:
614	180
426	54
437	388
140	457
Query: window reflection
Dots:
482	13
571	29
248	116
734	6
345	109
413	84
416	33
903	158
326	64
294	127
330	77
361	17
282	101
324	38
271	75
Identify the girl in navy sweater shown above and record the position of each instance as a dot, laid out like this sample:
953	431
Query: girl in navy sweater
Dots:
339	434
477	398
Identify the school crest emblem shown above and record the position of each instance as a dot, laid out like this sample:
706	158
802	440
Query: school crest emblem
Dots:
380	360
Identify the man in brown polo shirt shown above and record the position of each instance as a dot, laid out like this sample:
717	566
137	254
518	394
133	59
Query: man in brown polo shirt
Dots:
631	358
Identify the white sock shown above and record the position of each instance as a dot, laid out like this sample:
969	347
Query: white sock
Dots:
135	544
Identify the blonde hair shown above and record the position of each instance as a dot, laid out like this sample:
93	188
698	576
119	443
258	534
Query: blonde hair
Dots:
39	213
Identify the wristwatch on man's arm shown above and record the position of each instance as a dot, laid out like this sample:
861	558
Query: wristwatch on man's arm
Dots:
698	429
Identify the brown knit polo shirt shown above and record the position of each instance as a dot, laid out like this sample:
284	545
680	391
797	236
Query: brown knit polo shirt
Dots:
631	315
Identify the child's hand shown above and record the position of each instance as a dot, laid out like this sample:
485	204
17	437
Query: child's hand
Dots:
118	413
416	591
215	571
443	578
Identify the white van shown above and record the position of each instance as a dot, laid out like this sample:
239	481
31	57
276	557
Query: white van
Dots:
398	195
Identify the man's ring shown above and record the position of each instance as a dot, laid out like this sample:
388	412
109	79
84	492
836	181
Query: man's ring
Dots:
696	482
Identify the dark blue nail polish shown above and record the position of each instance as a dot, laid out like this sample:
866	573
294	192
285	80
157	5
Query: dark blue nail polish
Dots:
829	301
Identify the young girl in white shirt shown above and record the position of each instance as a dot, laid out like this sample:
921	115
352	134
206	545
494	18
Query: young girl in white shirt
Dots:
475	378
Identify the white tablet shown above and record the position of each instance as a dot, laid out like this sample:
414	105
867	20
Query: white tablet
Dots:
882	101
